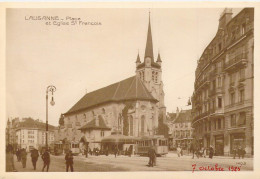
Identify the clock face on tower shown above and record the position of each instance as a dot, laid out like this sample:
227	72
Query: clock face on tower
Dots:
148	61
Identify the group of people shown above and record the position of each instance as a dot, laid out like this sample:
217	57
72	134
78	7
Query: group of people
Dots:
239	151
21	155
201	151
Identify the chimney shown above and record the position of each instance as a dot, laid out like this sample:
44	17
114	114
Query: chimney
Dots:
225	17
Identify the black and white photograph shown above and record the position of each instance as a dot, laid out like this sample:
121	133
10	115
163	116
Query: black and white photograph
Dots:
129	89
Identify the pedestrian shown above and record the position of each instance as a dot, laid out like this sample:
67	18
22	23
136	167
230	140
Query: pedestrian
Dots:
86	151
152	156
107	151
9	159
34	156
235	152
18	155
23	157
211	152
69	161
205	152
240	152
192	149
116	151
46	160
179	151
243	152
130	151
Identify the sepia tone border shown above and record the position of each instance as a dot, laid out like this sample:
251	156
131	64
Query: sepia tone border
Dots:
115	175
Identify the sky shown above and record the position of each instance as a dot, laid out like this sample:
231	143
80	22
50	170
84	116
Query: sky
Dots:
83	58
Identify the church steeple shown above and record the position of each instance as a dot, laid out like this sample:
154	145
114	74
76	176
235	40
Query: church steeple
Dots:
149	42
138	61
159	58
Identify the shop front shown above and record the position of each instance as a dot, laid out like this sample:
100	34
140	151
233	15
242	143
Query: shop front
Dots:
219	145
237	140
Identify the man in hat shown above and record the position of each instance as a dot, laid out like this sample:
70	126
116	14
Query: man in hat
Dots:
46	160
69	161
34	156
152	156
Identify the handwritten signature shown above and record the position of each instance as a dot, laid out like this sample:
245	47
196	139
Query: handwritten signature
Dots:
216	167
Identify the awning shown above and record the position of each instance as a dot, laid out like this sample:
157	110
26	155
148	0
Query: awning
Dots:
118	138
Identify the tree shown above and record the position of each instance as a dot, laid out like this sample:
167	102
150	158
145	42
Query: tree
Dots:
61	121
163	129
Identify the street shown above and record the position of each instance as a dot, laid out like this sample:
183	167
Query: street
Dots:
136	163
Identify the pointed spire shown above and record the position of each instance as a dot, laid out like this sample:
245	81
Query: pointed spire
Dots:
149	42
138	58
159	58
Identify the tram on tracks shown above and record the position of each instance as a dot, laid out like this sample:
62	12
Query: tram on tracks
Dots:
160	144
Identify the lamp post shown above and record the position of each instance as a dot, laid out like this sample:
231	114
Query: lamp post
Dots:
51	89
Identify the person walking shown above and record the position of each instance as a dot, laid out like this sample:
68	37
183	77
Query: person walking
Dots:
46	160
178	151
18	155
9	159
192	149
152	156
34	156
69	161
211	152
116	151
235	152
24	157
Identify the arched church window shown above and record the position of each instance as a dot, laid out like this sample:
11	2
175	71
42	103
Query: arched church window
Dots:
153	75
143	107
93	113
103	111
131	125
142	124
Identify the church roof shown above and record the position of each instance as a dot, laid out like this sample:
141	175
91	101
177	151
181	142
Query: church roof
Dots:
129	89
153	64
92	125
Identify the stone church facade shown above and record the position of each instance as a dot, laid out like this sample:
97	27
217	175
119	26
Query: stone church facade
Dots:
101	112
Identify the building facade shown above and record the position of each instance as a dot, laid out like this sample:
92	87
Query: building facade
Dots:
180	129
223	97
131	106
31	133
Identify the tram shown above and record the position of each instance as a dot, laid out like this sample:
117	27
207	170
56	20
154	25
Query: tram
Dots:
58	148
74	147
159	143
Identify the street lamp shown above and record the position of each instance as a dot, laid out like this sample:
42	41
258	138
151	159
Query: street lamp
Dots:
51	89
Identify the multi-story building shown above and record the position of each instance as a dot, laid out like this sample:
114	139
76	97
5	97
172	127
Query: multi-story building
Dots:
222	101
180	129
31	133
131	106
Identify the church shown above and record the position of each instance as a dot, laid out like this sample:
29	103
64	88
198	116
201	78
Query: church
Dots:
131	107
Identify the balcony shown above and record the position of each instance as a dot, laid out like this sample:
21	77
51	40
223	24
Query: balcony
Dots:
201	116
239	61
203	83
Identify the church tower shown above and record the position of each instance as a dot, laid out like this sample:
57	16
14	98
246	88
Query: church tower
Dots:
150	72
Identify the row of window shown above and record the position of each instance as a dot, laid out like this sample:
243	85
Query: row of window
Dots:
181	125
235	120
